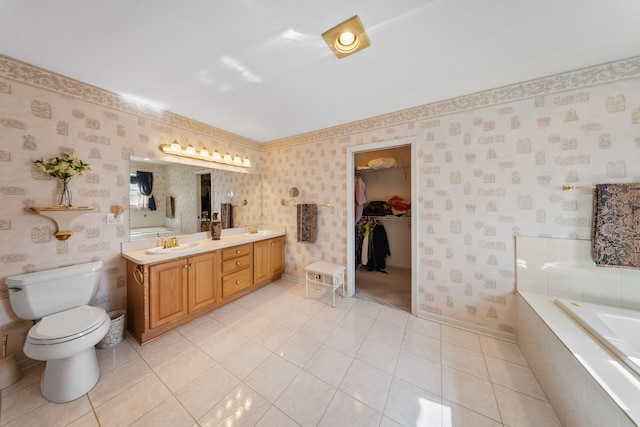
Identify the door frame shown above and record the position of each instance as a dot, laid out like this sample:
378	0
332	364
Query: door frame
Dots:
351	174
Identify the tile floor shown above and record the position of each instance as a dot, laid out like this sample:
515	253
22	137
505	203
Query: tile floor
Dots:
276	359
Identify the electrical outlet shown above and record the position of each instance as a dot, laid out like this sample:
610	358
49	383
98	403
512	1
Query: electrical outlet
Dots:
114	219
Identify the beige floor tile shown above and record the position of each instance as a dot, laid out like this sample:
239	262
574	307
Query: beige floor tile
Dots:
515	377
501	349
132	403
119	380
344	410
87	420
465	360
245	359
421	372
303	363
409	405
305	399
298	349
329	365
276	418
241	407
201	394
521	410
272	376
421	345
366	384
455	415
164	349
460	337
379	355
53	415
184	369
116	356
21	402
345	340
168	413
469	391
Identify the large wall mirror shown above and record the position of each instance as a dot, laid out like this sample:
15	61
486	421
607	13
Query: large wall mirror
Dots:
182	193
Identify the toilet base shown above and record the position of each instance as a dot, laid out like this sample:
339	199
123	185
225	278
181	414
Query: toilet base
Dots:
67	379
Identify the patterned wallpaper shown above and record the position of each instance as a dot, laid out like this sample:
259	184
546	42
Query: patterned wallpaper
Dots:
490	166
42	114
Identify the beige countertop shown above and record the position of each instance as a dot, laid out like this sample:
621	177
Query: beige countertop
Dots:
148	252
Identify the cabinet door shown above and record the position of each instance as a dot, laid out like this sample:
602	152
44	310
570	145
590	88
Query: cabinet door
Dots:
277	256
167	292
204	280
261	262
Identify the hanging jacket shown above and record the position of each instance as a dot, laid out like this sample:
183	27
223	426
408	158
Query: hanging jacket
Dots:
378	248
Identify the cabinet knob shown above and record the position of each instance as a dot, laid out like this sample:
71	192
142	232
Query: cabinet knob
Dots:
237	282
238	251
185	266
237	262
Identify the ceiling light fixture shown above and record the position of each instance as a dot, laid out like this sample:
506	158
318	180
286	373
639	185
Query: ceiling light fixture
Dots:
175	149
347	38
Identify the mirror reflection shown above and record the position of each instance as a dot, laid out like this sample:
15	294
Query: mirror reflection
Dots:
183	197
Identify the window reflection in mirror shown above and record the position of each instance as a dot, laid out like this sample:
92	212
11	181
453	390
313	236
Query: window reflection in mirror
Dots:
181	186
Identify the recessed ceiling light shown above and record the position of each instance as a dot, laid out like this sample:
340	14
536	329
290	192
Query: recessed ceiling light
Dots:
347	38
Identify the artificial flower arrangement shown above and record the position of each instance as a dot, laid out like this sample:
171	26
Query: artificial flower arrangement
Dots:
64	168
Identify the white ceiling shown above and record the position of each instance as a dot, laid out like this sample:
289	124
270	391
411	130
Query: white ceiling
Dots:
260	69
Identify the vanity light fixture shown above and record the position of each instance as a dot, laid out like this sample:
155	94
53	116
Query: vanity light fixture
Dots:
175	149
347	37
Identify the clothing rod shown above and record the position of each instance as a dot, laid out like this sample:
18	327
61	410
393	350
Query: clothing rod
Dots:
578	187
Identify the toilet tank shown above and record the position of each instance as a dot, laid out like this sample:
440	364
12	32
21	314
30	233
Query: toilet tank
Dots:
39	294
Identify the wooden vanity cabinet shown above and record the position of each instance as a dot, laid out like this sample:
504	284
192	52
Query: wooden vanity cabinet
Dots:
178	288
204	280
236	269
268	260
167	294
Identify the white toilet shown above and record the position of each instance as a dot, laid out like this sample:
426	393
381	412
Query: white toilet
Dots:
68	328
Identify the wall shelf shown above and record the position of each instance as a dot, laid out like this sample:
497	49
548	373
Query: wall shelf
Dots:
63	217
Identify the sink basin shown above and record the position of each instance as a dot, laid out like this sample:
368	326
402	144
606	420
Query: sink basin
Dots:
181	248
260	233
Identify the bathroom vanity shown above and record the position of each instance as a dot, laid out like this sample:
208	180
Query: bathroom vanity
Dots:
167	288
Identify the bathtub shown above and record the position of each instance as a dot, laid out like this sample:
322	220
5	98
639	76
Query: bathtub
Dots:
618	329
143	233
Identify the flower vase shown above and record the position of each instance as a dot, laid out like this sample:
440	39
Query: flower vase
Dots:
65	196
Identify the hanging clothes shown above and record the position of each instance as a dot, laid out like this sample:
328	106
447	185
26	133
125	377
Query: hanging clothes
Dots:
361	198
378	248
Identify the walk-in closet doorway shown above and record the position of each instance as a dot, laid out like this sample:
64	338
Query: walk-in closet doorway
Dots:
402	268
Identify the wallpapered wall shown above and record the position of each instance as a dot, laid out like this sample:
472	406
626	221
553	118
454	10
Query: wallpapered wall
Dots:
485	174
490	165
42	114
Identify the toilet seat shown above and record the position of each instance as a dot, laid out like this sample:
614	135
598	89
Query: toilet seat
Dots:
67	325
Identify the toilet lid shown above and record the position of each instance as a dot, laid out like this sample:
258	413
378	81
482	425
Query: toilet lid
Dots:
67	324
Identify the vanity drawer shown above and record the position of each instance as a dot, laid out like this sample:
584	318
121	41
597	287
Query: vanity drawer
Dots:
235	282
235	264
236	251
